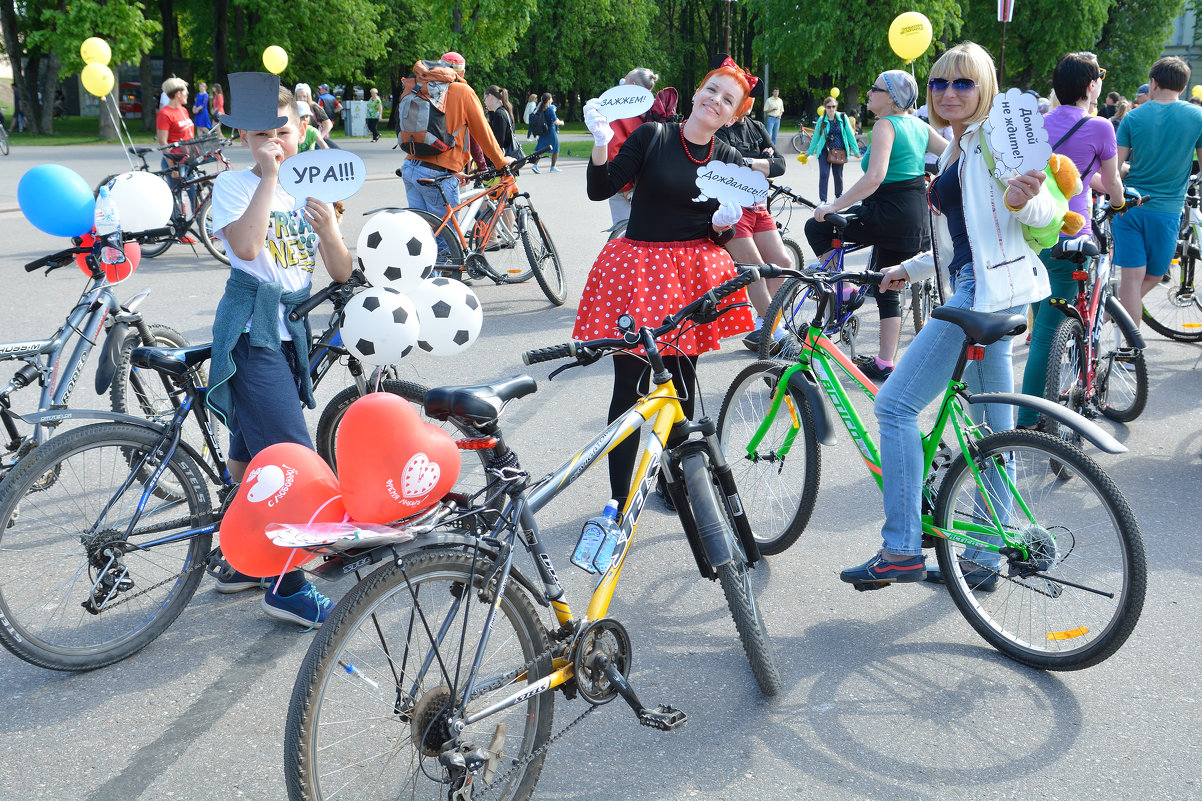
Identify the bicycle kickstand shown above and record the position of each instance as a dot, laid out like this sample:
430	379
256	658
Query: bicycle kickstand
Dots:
663	717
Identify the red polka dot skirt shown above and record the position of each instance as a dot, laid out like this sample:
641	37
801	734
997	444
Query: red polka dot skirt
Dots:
649	281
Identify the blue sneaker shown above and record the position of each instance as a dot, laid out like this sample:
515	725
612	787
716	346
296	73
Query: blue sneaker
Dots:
306	606
978	579
878	570
233	581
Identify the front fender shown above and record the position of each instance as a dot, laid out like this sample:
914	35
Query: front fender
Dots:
822	420
1123	320
1086	428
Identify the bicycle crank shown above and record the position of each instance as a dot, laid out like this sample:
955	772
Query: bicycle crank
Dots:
606	638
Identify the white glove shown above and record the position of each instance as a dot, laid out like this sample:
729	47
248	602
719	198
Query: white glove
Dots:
727	215
596	123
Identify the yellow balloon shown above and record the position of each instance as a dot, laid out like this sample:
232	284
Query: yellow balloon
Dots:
97	79
1196	91
95	51
910	35
834	91
275	59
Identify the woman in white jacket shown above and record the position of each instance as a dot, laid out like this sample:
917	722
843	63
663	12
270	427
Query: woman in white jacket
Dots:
980	244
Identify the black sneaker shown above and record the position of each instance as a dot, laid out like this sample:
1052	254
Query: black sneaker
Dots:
870	368
878	570
752	340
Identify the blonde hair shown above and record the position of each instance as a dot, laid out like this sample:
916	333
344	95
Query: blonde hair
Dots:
173	85
965	60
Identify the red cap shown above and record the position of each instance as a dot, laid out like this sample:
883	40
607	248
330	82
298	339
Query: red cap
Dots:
455	60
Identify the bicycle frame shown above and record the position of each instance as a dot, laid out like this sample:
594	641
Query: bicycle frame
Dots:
467	209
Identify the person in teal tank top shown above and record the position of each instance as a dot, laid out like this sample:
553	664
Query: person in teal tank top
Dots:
888	202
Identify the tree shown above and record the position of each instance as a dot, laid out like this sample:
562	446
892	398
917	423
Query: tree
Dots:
1133	38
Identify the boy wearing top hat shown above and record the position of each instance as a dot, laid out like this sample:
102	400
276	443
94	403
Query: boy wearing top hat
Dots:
259	356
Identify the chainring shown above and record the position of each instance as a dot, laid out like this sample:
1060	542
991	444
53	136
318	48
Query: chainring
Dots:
601	637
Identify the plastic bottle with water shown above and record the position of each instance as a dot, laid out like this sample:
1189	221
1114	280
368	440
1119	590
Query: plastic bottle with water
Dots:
598	539
108	228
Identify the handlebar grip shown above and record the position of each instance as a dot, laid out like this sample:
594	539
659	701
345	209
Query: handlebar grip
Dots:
42	262
313	301
564	351
540	152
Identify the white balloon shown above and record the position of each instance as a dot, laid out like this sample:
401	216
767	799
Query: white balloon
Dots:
450	314
380	326
143	200
396	249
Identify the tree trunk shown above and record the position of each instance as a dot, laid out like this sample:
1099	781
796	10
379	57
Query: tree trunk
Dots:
49	84
170	34
221	42
149	95
110	111
12	46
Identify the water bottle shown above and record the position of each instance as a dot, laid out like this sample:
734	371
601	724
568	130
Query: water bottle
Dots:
597	540
108	229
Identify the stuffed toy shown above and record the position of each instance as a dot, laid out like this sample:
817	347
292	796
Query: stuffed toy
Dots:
1067	180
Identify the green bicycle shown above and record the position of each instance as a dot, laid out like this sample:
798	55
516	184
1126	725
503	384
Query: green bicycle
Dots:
1039	549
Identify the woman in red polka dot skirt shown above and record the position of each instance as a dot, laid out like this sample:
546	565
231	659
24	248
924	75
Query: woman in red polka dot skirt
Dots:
672	251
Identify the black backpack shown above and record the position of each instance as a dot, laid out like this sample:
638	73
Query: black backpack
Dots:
539	124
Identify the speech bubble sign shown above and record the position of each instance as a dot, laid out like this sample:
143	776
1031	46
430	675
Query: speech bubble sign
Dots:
327	175
731	183
625	101
1016	135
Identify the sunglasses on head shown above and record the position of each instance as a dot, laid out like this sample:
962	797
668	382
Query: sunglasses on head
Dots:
1101	73
959	84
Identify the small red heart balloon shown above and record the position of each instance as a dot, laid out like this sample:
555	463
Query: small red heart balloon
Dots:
114	272
391	463
284	483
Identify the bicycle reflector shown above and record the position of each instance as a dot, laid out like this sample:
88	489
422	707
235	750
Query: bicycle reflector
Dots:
976	353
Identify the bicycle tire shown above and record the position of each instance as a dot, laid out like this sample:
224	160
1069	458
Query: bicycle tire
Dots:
795	252
778	493
204	230
734	574
618	230
801	141
506	255
1065	379
46	570
449	260
922	302
788	317
152	249
3	141
472	476
1121	381
142	392
351	675
1084	533
544	259
1173	308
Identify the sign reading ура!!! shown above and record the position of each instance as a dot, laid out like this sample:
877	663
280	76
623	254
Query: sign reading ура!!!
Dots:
327	175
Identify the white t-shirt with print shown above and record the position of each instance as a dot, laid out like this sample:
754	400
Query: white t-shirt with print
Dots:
290	252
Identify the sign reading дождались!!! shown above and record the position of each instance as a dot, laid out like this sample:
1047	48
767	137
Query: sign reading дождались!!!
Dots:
1016	135
731	183
327	175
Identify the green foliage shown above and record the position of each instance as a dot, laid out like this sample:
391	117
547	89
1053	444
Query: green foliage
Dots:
62	28
1133	39
1040	33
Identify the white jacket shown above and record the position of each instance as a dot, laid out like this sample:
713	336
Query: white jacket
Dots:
1007	272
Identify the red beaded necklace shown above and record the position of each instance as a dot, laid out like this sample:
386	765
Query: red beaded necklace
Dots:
685	145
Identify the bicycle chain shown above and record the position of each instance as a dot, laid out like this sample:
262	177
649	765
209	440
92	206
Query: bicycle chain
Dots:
1022	584
200	565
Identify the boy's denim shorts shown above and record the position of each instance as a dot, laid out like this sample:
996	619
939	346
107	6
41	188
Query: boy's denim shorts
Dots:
266	407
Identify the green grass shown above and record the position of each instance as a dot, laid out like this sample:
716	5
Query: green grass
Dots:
77	131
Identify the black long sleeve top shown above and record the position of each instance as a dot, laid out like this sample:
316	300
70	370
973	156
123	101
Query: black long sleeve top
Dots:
749	137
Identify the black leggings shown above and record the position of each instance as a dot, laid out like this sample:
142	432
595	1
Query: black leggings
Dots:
632	379
888	302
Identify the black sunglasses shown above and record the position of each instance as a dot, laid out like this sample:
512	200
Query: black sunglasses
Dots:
875	88
959	84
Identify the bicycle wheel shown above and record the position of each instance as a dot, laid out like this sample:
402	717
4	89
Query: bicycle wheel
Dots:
369	711
208	237
64	513
734	576
179	217
450	249
1173	307
794	253
1121	376
922	302
544	259
788	317
1080	531
472	477
506	254
3	141
778	491
142	392
1065	381
619	229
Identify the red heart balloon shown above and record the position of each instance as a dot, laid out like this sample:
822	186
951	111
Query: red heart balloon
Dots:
284	483
114	272
391	463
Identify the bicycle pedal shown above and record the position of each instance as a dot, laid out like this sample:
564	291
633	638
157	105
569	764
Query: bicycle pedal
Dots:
663	717
865	586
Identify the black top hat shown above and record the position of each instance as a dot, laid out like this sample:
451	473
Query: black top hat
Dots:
255	97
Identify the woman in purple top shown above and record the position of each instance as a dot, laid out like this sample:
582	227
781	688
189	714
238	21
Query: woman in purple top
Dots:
1090	143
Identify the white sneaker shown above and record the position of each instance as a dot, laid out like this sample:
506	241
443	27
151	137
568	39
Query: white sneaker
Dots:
556	169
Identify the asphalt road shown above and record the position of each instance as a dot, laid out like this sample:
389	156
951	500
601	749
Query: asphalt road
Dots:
888	694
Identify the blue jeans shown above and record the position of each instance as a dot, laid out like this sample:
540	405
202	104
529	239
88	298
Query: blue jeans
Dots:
772	126
429	198
919	378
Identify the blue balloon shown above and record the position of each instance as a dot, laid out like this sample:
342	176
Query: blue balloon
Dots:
57	200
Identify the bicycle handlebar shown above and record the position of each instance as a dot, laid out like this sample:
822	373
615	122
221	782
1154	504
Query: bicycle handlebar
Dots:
787	191
62	257
313	301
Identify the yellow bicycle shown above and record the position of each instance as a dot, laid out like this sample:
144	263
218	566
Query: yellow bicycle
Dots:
433	676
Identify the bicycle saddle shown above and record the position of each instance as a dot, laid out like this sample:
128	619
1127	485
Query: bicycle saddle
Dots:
1075	250
476	404
982	328
173	361
138	151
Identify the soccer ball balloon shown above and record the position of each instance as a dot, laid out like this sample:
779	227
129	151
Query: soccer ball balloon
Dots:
450	315
396	249
380	326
